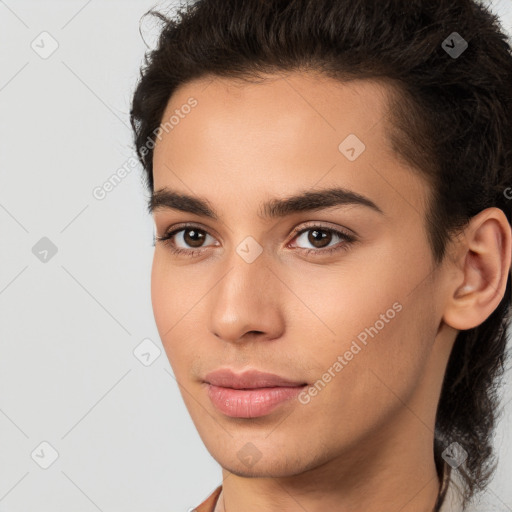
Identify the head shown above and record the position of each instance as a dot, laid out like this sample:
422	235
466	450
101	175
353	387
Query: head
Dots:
401	148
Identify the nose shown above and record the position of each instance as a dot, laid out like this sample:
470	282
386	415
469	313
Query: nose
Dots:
245	303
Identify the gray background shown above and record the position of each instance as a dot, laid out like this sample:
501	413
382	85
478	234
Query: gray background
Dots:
70	321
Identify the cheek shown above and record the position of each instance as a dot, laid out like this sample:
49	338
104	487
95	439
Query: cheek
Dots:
343	302
373	335
171	299
161	300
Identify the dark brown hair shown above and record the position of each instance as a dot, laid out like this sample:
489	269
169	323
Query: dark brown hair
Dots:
450	118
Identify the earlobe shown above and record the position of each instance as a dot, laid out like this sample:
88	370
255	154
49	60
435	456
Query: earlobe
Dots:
485	266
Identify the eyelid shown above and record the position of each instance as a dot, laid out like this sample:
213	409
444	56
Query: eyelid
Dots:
347	239
324	225
295	231
184	225
346	234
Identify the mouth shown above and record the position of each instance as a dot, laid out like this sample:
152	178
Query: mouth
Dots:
250	403
250	394
250	379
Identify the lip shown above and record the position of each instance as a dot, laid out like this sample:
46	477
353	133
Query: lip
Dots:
250	394
250	379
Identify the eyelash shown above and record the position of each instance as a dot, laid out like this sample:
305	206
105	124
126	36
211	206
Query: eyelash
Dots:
347	240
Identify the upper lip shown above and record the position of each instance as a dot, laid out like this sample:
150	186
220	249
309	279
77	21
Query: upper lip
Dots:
250	379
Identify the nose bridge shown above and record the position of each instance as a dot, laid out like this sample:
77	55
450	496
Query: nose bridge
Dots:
245	298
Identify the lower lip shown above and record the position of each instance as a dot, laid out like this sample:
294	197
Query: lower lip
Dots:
250	403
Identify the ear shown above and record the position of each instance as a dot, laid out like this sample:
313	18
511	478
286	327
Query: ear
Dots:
482	269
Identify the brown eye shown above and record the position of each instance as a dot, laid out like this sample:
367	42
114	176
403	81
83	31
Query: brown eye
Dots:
187	240
193	237
319	238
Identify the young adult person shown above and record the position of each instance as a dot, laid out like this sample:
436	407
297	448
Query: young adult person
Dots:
330	182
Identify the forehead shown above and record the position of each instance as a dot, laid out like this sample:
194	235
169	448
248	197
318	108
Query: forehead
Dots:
285	108
290	128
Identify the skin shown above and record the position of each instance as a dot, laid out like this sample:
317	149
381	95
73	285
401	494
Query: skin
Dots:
365	442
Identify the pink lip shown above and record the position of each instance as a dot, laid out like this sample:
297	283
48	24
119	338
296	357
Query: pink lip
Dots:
250	394
250	379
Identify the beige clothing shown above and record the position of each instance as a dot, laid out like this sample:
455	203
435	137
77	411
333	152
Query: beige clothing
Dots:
208	505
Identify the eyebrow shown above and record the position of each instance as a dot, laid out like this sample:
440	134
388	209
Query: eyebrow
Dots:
309	200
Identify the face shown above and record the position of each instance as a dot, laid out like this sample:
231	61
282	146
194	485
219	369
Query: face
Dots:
336	292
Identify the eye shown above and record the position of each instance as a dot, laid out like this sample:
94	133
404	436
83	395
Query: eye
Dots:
190	240
320	237
189	235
